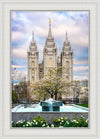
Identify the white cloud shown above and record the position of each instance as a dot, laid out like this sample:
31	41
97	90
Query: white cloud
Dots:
80	40
60	23
20	53
80	77
41	32
16	66
80	62
75	34
17	36
80	68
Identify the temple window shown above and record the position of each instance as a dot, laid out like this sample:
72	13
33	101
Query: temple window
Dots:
32	71
50	62
32	78
67	64
32	63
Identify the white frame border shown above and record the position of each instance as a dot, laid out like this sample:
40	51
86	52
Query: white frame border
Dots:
6	6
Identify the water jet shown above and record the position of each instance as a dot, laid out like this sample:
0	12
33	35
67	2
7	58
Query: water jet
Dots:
51	105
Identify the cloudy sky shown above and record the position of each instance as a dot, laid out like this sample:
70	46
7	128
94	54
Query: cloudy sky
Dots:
74	22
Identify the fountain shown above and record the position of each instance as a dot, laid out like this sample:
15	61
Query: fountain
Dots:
48	109
51	105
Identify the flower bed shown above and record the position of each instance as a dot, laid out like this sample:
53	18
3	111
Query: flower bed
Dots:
58	122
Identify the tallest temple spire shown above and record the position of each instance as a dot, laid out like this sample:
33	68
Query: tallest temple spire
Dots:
32	36
50	33
66	40
49	52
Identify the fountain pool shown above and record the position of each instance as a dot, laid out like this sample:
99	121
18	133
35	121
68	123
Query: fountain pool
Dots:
38	108
49	109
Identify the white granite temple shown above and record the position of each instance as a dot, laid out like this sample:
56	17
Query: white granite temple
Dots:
37	71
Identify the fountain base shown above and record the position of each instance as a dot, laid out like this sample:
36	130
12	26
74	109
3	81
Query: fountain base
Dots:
51	105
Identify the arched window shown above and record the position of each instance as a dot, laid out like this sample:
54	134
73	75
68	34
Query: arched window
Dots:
32	63
67	66
32	78
32	71
50	62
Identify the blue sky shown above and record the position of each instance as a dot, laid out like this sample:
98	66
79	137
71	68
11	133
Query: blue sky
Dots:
74	22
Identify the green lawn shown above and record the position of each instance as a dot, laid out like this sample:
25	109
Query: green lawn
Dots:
83	105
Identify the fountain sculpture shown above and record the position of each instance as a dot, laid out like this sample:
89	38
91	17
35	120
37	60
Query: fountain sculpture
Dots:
51	105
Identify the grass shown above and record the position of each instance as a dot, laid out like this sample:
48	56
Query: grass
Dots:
83	105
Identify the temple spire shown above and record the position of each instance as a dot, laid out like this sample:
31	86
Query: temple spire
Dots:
32	41
66	38
32	36
50	33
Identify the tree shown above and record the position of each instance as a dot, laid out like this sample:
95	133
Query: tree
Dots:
51	85
21	90
14	97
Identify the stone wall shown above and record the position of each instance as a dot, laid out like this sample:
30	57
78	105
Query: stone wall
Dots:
49	116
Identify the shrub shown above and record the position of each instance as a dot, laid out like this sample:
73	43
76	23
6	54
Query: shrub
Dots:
61	122
39	119
39	122
64	122
58	122
19	123
35	122
79	122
